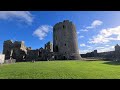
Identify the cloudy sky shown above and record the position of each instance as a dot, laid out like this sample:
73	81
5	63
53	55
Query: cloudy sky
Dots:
95	29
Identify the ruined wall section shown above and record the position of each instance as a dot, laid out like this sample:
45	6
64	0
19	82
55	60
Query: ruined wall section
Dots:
32	55
14	50
8	49
49	46
2	58
19	50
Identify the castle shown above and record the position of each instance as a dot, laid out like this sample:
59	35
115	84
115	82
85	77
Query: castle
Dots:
65	43
65	46
110	55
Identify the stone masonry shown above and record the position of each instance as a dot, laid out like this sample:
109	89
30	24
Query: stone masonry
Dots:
65	42
64	47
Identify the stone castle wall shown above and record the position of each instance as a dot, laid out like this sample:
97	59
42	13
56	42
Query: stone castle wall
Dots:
65	46
2	58
110	55
17	50
14	50
65	40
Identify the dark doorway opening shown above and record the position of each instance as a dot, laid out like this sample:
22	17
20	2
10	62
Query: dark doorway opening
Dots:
63	26
56	47
64	58
55	57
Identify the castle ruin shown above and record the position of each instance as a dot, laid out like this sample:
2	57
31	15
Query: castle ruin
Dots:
64	47
65	41
17	50
110	55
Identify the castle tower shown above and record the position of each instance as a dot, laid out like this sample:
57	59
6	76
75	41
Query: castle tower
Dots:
65	40
49	46
19	50
117	52
8	49
117	48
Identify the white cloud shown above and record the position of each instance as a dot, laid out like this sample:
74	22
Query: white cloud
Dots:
89	47
84	51
21	15
80	37
42	31
84	30
78	32
106	35
99	49
107	45
82	45
104	49
94	24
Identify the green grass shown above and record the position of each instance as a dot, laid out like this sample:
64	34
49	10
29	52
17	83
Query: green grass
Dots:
61	70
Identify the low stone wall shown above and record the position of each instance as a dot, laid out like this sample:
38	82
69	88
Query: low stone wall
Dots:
2	58
10	61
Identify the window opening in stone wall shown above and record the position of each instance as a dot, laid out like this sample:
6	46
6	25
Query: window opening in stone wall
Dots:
63	26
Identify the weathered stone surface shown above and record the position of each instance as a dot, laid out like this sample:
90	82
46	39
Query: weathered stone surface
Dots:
15	50
8	49
110	55
49	47
8	61
19	50
2	58
65	40
65	46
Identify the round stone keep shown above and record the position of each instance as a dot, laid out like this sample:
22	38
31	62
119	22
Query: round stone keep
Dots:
65	41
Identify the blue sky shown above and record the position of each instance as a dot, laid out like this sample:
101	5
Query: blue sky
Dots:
95	29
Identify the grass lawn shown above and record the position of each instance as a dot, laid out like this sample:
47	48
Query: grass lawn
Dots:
61	70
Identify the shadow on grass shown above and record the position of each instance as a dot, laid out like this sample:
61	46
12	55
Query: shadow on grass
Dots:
112	62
